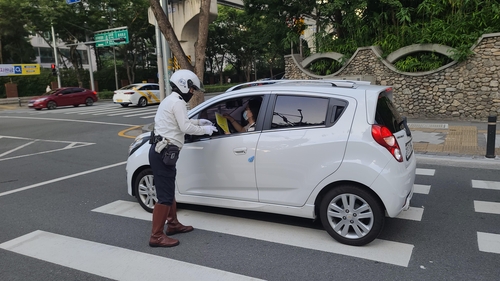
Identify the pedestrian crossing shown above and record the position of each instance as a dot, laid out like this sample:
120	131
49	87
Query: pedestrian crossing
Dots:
101	109
113	262
487	242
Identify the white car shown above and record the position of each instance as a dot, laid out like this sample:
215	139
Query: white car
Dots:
337	150
140	94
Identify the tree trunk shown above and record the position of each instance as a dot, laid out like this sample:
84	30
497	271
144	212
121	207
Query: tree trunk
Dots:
200	47
167	31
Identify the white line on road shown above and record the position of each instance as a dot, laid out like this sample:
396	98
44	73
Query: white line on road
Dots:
486	184
110	261
425	172
487	207
379	250
488	242
69	120
61	179
414	214
421	189
17	148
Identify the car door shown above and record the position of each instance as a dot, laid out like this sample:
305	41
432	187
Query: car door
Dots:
155	90
221	165
64	97
303	141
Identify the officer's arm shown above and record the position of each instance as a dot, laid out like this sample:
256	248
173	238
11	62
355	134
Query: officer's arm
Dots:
185	125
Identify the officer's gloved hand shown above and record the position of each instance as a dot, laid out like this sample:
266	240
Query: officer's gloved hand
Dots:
209	129
204	122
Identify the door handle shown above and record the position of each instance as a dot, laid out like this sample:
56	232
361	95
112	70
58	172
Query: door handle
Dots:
240	151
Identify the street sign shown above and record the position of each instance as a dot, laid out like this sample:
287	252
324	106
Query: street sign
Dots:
111	37
72	1
19	69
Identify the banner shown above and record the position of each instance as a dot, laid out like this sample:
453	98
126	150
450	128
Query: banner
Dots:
19	69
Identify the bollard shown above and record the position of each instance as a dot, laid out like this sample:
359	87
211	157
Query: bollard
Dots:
490	141
19	100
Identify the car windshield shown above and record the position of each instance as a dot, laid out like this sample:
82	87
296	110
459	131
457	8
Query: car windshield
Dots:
49	93
131	86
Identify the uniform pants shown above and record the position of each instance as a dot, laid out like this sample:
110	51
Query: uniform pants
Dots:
164	177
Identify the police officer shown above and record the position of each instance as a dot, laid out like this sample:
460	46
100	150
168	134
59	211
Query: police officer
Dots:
171	123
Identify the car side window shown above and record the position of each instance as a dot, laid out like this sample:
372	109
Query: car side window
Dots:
155	87
145	87
229	116
299	111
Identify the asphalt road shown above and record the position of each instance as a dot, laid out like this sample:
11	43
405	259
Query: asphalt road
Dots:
66	215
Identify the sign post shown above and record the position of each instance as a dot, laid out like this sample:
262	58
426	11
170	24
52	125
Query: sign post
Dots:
110	38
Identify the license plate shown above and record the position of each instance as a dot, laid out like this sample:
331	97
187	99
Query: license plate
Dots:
409	149
30	104
119	100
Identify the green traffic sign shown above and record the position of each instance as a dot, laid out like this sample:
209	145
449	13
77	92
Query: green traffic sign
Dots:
111	37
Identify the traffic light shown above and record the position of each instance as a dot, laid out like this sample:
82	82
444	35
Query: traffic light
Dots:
54	69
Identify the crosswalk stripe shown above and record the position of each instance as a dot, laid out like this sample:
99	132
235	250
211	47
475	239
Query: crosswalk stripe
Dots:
486	184
425	172
150	116
142	113
488	242
421	188
379	250
110	261
487	207
413	213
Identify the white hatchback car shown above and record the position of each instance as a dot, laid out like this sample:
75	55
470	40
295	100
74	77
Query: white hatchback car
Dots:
337	150
140	94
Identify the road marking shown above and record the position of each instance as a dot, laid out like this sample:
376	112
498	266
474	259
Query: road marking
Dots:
110	261
421	188
69	120
70	145
487	207
488	242
425	172
124	132
150	116
414	214
486	184
379	250
17	148
61	179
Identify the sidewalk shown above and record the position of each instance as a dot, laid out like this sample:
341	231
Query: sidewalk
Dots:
451	138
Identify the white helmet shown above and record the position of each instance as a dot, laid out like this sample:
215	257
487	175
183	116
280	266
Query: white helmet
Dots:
185	79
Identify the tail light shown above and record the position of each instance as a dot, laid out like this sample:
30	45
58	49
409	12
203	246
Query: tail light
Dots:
128	93
95	93
383	136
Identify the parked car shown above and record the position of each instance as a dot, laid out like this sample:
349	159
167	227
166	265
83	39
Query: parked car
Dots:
63	97
140	94
334	150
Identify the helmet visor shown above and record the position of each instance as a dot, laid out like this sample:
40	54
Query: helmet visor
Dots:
191	85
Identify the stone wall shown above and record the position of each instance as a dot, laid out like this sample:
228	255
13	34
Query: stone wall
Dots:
467	90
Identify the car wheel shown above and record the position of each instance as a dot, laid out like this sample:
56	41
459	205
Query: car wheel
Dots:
89	102
124	104
144	190
352	215
51	105
142	102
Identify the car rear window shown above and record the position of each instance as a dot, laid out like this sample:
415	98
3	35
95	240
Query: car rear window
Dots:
388	115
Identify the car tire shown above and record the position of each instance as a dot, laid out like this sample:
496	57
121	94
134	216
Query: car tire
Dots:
51	105
89	102
124	104
142	102
357	224
144	189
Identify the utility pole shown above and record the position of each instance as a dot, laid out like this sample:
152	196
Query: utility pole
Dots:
166	52
55	56
91	68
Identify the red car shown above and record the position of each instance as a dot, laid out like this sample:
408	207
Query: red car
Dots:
62	97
